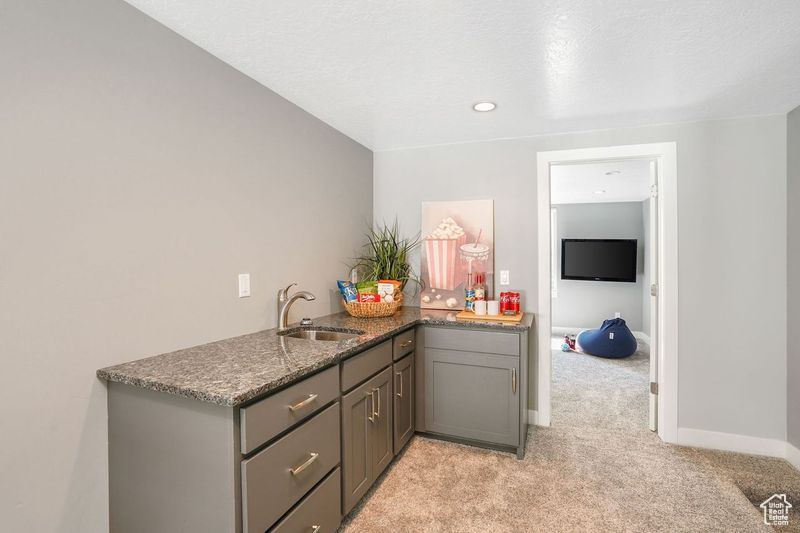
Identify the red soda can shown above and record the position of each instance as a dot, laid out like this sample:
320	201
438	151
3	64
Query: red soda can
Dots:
514	300
504	301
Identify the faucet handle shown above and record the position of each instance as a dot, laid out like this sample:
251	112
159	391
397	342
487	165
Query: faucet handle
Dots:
284	293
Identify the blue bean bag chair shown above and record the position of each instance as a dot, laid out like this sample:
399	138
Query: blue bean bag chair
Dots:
613	340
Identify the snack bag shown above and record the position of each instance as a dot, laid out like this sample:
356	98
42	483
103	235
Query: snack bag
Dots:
369	297
367	287
387	287
348	290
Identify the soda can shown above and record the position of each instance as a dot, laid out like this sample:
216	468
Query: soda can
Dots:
503	302
515	304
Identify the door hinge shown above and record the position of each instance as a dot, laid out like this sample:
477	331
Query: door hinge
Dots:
653	387
654	191
653	290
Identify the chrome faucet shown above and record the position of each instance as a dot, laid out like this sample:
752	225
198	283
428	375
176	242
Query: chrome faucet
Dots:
285	302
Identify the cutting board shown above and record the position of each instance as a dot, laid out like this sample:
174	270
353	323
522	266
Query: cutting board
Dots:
509	319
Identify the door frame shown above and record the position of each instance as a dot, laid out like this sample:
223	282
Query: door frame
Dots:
665	155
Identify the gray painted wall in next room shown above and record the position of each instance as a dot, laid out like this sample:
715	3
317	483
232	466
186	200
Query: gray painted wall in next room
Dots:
140	176
793	271
585	304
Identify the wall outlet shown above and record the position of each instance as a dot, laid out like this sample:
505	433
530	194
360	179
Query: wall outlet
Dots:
504	277
244	285
617	315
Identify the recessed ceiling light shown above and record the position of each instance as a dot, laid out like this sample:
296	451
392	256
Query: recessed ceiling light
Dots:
484	106
600	192
613	172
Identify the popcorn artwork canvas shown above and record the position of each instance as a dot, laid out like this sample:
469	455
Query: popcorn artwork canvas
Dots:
457	244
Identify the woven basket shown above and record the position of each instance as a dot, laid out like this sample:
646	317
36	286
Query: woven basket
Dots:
374	309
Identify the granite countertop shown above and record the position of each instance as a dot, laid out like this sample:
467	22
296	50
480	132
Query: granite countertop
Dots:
232	371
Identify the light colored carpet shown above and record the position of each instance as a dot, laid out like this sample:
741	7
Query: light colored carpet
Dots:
613	476
593	392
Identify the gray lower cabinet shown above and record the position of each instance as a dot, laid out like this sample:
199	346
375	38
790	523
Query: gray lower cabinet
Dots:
319	512
472	395
367	444
403	371
277	477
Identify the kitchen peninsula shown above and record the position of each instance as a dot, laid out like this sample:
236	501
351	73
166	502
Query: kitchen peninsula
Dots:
267	431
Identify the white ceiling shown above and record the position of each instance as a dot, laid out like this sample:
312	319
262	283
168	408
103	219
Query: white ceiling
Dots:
581	183
394	73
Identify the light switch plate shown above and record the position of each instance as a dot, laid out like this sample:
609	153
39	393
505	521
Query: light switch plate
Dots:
244	285
504	277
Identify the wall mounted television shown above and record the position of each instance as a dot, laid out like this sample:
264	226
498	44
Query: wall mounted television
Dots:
599	259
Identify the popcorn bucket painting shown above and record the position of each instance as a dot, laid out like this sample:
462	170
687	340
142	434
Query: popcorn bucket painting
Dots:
442	251
457	237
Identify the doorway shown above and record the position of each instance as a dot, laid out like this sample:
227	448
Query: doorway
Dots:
654	315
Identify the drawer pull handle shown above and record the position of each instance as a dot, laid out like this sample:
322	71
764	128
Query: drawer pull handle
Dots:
314	529
378	391
371	395
298	406
406	344
296	471
514	380
400	375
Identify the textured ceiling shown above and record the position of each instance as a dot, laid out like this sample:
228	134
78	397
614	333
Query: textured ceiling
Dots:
394	74
577	183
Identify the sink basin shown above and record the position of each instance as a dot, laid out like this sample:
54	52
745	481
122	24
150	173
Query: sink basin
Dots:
321	334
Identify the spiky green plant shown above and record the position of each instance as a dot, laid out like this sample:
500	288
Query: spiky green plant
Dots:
386	256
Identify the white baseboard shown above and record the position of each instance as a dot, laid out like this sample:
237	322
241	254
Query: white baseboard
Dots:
792	455
533	417
731	442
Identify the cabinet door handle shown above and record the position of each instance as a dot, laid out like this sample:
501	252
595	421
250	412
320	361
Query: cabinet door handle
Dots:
377	390
296	471
514	380
314	529
371	414
406	344
400	375
298	406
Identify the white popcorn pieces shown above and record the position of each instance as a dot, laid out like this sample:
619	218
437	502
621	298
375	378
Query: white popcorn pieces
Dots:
447	229
451	302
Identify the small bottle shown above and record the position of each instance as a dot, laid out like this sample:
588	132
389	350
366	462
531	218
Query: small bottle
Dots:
469	294
479	286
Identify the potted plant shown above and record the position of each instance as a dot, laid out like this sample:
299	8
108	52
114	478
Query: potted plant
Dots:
386	256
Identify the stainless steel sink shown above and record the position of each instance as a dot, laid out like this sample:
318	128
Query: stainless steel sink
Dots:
321	334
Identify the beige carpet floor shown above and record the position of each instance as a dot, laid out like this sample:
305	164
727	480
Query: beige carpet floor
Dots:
613	476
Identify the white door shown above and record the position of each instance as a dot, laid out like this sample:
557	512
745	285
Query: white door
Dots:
651	266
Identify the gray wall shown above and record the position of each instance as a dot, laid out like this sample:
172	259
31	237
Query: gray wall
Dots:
585	304
732	247
793	292
140	176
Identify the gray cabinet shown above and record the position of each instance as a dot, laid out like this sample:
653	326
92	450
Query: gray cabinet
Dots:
403	372
367	447
472	395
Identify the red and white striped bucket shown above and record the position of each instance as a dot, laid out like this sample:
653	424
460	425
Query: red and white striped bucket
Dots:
444	264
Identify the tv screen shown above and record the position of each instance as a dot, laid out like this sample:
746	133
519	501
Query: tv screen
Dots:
599	259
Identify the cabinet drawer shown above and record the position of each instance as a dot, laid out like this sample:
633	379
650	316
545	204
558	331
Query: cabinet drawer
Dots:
319	512
278	476
362	366
469	340
403	344
264	419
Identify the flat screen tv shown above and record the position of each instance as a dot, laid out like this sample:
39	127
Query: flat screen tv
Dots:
599	259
